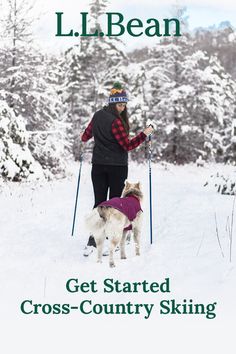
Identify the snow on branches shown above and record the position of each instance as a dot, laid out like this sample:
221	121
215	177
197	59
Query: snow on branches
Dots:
16	160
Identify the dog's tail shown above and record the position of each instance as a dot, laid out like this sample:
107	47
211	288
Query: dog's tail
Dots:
95	221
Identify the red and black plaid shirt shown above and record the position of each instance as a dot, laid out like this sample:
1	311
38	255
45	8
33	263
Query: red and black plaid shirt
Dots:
120	135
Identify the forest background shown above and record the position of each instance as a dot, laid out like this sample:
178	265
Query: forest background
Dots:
185	84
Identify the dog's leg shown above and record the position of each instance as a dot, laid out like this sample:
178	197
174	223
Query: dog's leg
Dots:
137	233
137	241
114	241
99	243
122	245
114	231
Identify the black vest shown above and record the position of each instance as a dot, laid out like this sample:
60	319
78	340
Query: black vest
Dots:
106	151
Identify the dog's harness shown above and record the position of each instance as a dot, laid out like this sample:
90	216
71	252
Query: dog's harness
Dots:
129	206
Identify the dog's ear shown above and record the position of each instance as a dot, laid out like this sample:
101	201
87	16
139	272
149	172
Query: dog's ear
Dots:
127	184
138	185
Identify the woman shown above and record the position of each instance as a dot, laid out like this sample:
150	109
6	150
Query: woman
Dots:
110	129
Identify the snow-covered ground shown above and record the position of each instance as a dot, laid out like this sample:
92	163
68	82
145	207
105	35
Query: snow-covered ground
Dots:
38	255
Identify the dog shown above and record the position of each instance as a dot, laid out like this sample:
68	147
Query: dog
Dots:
113	218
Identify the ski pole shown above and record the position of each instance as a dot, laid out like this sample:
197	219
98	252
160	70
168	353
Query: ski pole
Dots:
77	194
150	183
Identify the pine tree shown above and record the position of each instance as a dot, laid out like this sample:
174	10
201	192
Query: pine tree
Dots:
90	71
138	106
202	103
76	111
48	126
31	82
16	24
16	160
101	58
220	41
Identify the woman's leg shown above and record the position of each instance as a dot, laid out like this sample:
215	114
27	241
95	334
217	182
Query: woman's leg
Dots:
116	177
100	183
100	188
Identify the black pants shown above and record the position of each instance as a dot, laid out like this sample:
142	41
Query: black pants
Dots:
104	178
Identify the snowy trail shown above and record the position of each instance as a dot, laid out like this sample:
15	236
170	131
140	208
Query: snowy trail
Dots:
37	220
38	255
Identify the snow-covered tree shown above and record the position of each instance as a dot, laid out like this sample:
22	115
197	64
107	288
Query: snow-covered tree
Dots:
90	71
138	106
229	141
101	58
165	67
47	123
37	98
16	160
76	110
30	83
16	32
220	41
193	105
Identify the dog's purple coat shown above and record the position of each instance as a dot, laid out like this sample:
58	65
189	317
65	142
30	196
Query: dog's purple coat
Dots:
129	206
